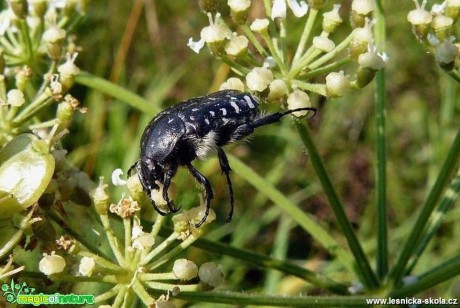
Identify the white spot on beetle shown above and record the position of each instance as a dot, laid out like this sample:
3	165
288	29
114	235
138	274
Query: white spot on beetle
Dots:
212	113
224	111
195	109
249	101
192	118
206	121
170	120
225	121
235	106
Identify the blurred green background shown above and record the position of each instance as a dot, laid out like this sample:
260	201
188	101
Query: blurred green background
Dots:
142	46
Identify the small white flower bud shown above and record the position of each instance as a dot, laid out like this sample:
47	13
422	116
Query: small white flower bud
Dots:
51	264
419	16
278	89
237	46
68	71
100	197
362	7
298	99
54	34
86	266
239	5
371	60
141	240
420	20
445	53
332	19
361	39
259	79
216	34
184	269
260	25
211	274
15	98
239	10
217	30
452	9
442	26
323	43
337	84
359	10
232	84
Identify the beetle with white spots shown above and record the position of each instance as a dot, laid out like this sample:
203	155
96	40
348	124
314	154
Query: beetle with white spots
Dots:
192	129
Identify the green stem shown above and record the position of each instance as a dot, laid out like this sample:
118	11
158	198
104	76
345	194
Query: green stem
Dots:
31	110
145	297
114	245
165	243
436	219
326	68
305	35
100	261
156	276
271	263
274	51
300	217
260	49
328	56
380	145
170	254
312	87
245	299
14	239
118	92
107	295
88	244
364	269
428	206
437	275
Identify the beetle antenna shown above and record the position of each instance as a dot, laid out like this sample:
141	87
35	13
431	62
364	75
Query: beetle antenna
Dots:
301	109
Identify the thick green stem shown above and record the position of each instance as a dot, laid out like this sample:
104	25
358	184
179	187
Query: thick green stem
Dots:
364	269
428	206
380	145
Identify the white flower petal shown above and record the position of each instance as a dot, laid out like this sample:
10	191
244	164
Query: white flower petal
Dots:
116	180
299	10
279	9
195	46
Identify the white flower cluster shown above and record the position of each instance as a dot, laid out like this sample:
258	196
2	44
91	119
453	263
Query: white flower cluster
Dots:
436	30
260	54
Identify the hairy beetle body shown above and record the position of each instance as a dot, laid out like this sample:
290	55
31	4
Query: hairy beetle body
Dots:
191	129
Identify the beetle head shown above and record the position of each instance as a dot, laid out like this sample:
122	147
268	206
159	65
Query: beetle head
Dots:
150	171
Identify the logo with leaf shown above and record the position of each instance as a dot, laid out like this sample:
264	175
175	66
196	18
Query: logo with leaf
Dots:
13	290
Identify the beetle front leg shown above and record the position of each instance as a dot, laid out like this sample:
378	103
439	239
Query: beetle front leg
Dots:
225	167
204	182
169	174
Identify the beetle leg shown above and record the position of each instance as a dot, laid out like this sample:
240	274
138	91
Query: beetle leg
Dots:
149	194
225	167
169	174
204	182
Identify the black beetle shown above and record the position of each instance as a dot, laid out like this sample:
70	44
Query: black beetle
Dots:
191	129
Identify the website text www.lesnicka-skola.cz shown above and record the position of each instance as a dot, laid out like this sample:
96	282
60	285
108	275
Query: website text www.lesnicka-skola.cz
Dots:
412	301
